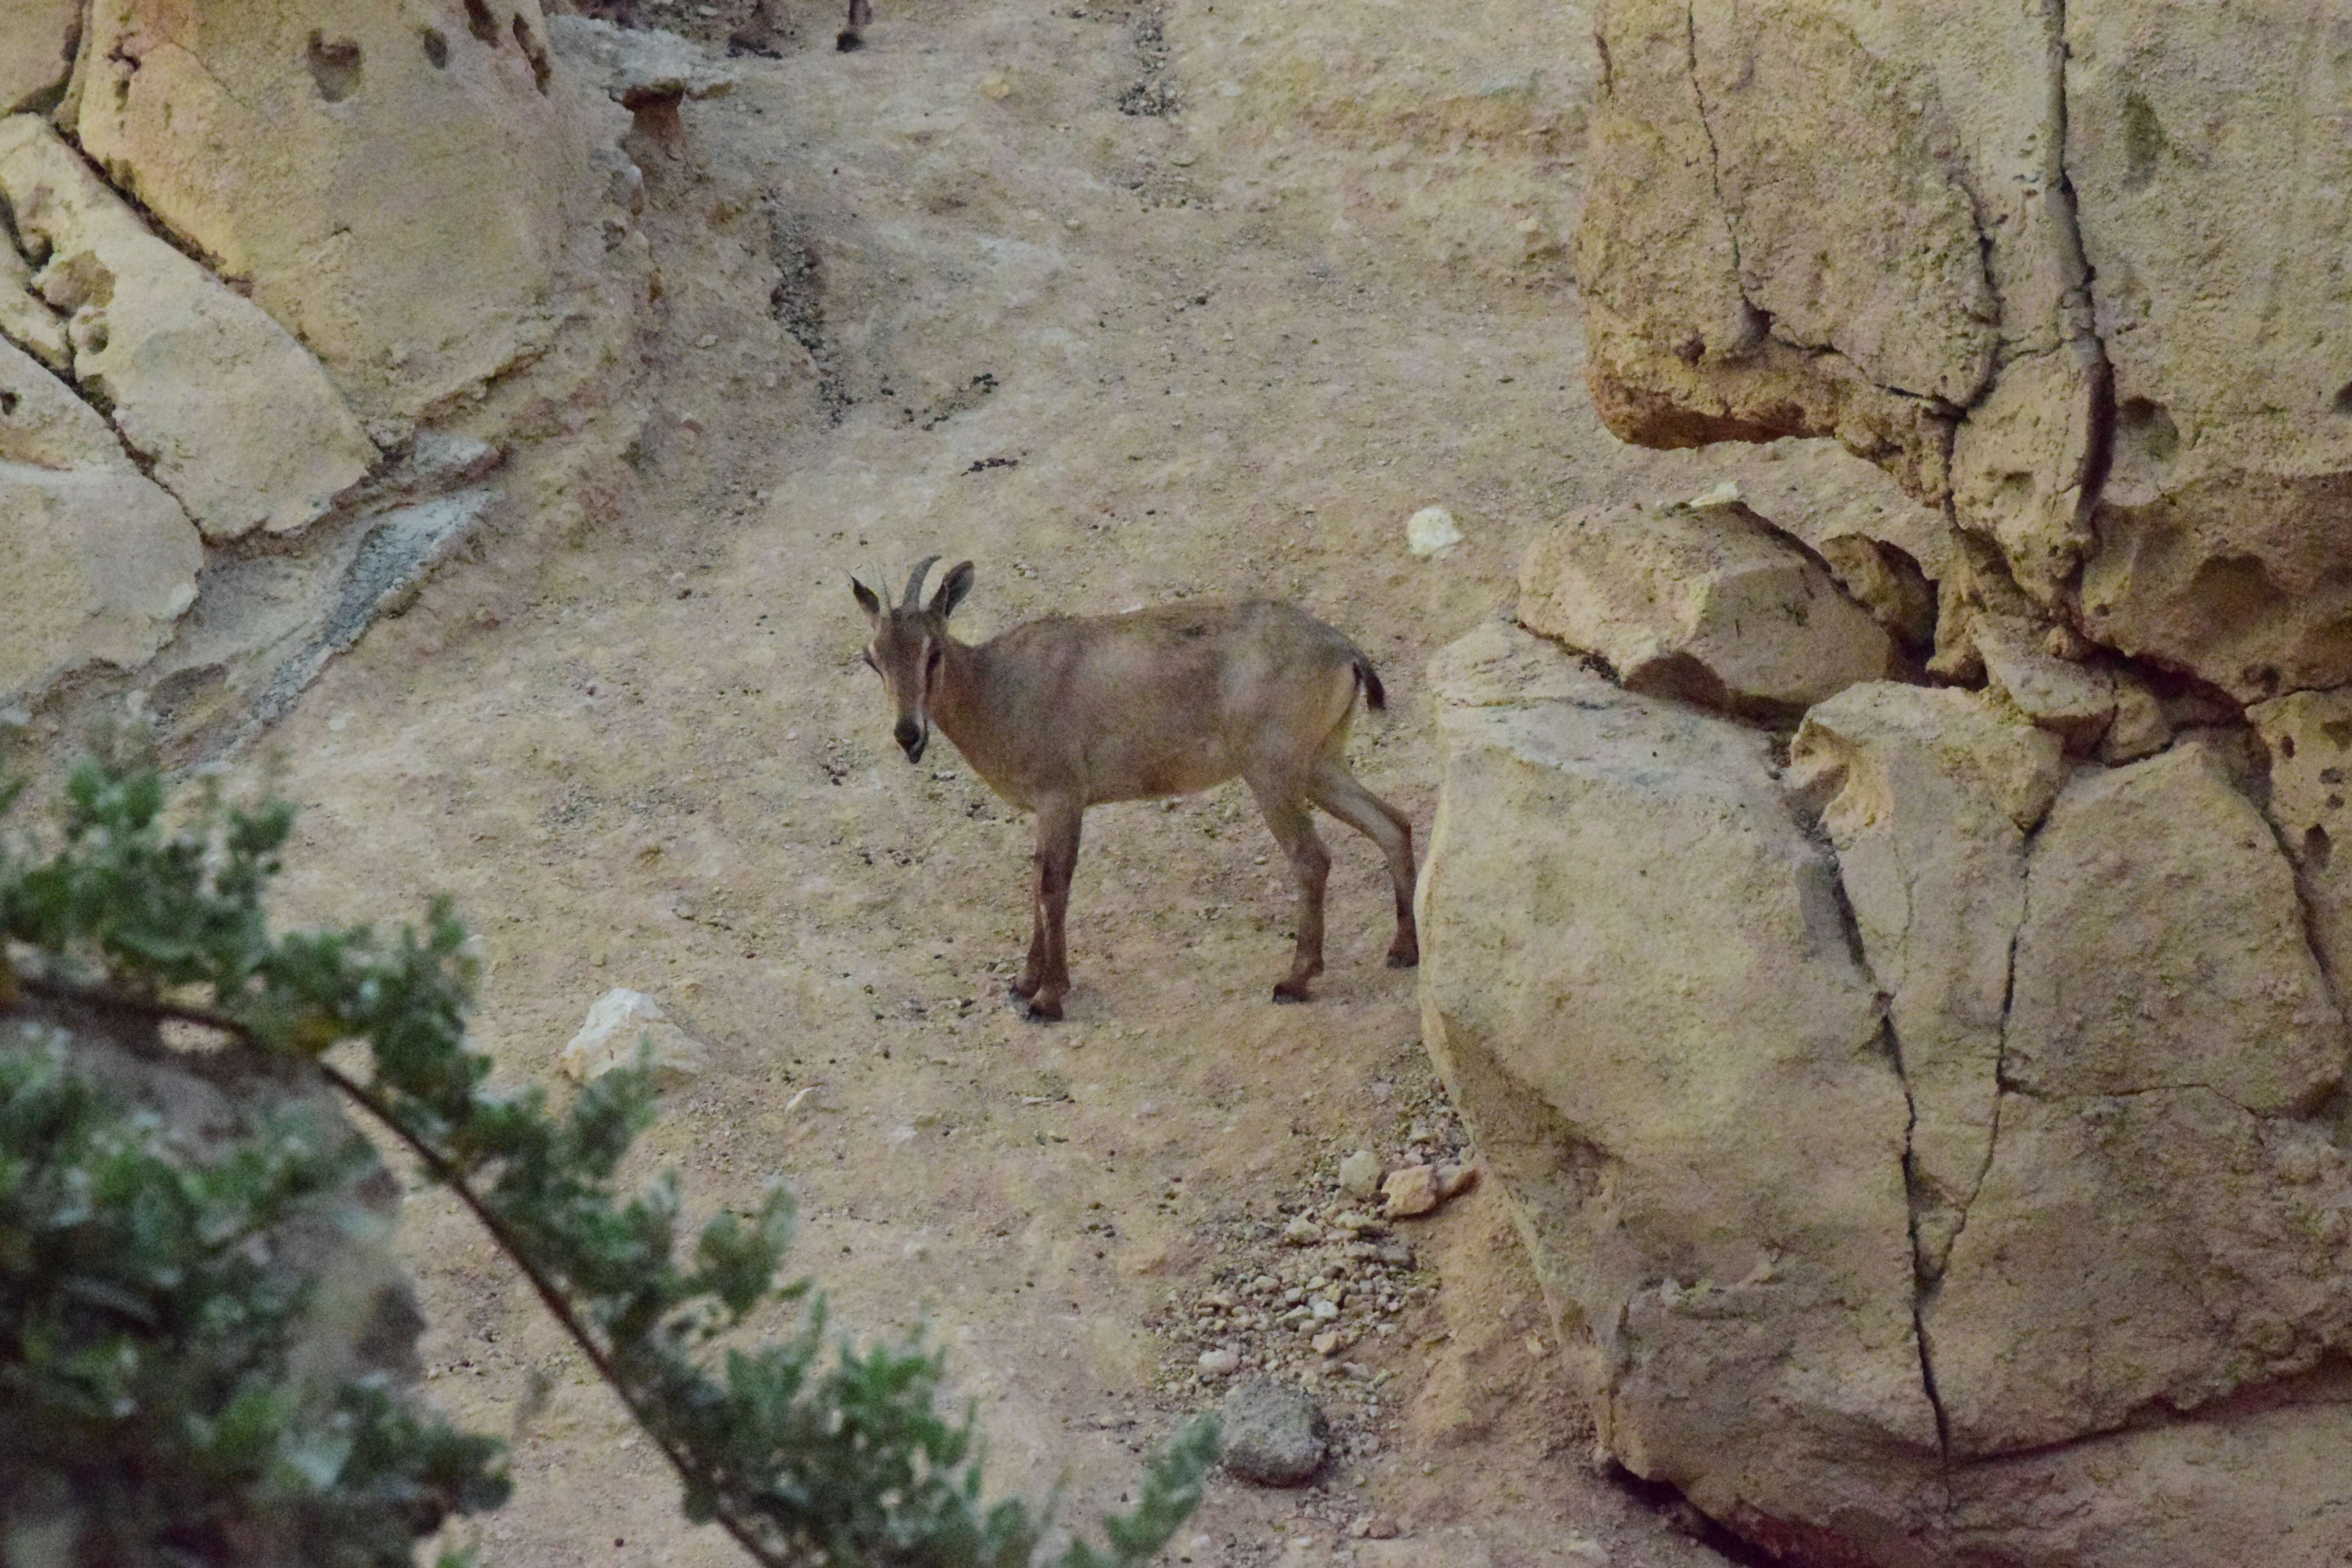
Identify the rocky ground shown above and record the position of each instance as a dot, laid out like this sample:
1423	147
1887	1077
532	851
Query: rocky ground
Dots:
1126	305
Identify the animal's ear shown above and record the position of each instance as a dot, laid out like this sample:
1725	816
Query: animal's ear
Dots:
952	588
865	599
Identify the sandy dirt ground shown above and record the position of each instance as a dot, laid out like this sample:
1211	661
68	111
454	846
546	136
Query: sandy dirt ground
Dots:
948	294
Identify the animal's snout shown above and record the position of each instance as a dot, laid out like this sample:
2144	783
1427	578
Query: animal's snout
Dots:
911	739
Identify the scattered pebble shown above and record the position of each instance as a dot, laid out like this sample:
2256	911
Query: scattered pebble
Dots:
1219	1362
1359	1173
1302	1231
1275	1434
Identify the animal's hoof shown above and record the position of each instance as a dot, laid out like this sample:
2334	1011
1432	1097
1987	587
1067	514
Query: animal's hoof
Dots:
1025	989
845	42
1293	991
1045	1011
1408	959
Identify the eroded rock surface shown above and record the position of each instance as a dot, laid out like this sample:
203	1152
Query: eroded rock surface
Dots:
35	49
398	187
2030	258
224	407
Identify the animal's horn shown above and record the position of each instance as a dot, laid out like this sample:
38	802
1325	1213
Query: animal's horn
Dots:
915	582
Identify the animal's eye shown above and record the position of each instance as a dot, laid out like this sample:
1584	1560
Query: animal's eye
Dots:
936	654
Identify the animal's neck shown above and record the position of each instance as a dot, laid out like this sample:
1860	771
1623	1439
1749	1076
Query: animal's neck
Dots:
959	700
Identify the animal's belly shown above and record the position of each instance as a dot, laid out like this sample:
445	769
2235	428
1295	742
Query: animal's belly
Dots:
1152	772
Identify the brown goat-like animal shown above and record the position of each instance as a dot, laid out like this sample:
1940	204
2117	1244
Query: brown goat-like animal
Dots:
1067	712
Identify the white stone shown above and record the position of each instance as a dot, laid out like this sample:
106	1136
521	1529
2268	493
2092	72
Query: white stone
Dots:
1359	1173
617	1024
1431	532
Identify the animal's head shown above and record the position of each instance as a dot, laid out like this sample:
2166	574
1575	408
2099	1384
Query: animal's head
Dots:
909	645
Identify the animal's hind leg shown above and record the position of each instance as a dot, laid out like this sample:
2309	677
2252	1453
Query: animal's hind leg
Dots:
1293	827
1338	792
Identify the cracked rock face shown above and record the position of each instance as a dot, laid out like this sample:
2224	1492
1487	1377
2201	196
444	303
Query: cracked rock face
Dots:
220	403
2028	258
1931	1146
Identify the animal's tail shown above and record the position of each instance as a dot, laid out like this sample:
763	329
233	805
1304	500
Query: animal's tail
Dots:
1376	696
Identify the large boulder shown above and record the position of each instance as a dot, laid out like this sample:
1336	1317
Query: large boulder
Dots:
1711	604
397	184
101	561
226	410
1972	1195
2060	266
1638	984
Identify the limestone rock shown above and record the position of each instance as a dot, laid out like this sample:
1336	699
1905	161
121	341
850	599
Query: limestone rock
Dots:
1275	1434
102	562
2022	467
1710	605
34	52
1936	791
1431	532
1639	986
617	1026
2227	513
2121	989
400	186
2309	737
1681	354
228	412
637	66
1743	279
1852	231
2074	701
1359	1173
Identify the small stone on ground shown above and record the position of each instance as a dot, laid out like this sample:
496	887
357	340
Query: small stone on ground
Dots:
1359	1173
1275	1434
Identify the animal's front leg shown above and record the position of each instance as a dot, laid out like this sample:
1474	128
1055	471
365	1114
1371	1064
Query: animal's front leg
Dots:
1057	861
1032	972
